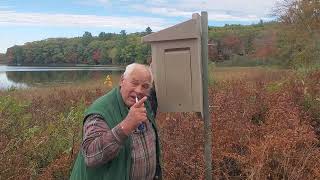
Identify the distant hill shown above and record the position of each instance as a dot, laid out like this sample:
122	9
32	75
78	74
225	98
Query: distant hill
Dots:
3	59
106	48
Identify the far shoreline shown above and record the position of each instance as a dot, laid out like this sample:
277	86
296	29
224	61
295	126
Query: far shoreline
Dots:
62	65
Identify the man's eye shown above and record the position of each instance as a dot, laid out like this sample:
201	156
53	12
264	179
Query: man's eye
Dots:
146	86
135	83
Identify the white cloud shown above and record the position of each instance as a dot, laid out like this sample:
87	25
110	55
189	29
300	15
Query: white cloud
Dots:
75	20
163	11
226	10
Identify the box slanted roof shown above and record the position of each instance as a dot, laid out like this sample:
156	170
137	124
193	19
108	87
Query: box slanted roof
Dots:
186	30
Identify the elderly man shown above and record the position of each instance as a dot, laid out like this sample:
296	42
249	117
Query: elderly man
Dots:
120	139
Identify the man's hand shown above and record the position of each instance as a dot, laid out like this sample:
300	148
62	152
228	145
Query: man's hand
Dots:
137	115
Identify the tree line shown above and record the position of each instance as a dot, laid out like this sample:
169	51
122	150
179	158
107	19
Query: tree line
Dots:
106	48
120	49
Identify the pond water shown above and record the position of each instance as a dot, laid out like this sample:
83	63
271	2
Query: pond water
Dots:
27	76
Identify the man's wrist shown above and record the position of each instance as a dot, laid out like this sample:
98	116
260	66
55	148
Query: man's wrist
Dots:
119	134
125	128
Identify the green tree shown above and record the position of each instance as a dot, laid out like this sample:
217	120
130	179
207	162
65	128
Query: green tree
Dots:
87	38
123	33
18	55
114	55
102	35
148	30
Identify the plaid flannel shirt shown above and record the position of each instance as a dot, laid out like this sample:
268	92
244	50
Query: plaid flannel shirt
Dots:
100	145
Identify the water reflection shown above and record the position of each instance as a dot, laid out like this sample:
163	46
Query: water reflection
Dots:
36	77
5	83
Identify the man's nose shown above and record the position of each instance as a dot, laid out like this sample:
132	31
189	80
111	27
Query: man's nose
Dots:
139	90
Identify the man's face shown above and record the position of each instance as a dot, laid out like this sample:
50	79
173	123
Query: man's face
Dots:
136	84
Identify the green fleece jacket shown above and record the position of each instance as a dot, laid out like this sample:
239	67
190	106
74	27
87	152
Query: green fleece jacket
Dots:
113	109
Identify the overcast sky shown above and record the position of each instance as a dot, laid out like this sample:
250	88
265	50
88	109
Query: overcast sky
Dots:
29	20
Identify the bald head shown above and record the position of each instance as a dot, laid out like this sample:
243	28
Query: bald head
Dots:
138	67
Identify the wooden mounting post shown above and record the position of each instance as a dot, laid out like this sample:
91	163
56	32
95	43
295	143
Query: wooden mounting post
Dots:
206	115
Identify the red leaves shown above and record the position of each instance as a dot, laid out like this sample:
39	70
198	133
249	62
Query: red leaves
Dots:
96	56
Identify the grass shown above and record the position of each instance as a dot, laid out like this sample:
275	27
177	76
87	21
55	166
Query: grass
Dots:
265	126
248	73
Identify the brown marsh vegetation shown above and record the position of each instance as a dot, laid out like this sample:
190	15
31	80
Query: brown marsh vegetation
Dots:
266	125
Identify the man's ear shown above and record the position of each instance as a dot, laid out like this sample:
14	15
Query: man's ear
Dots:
121	80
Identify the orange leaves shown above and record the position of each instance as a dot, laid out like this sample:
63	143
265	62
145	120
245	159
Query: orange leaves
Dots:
108	81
